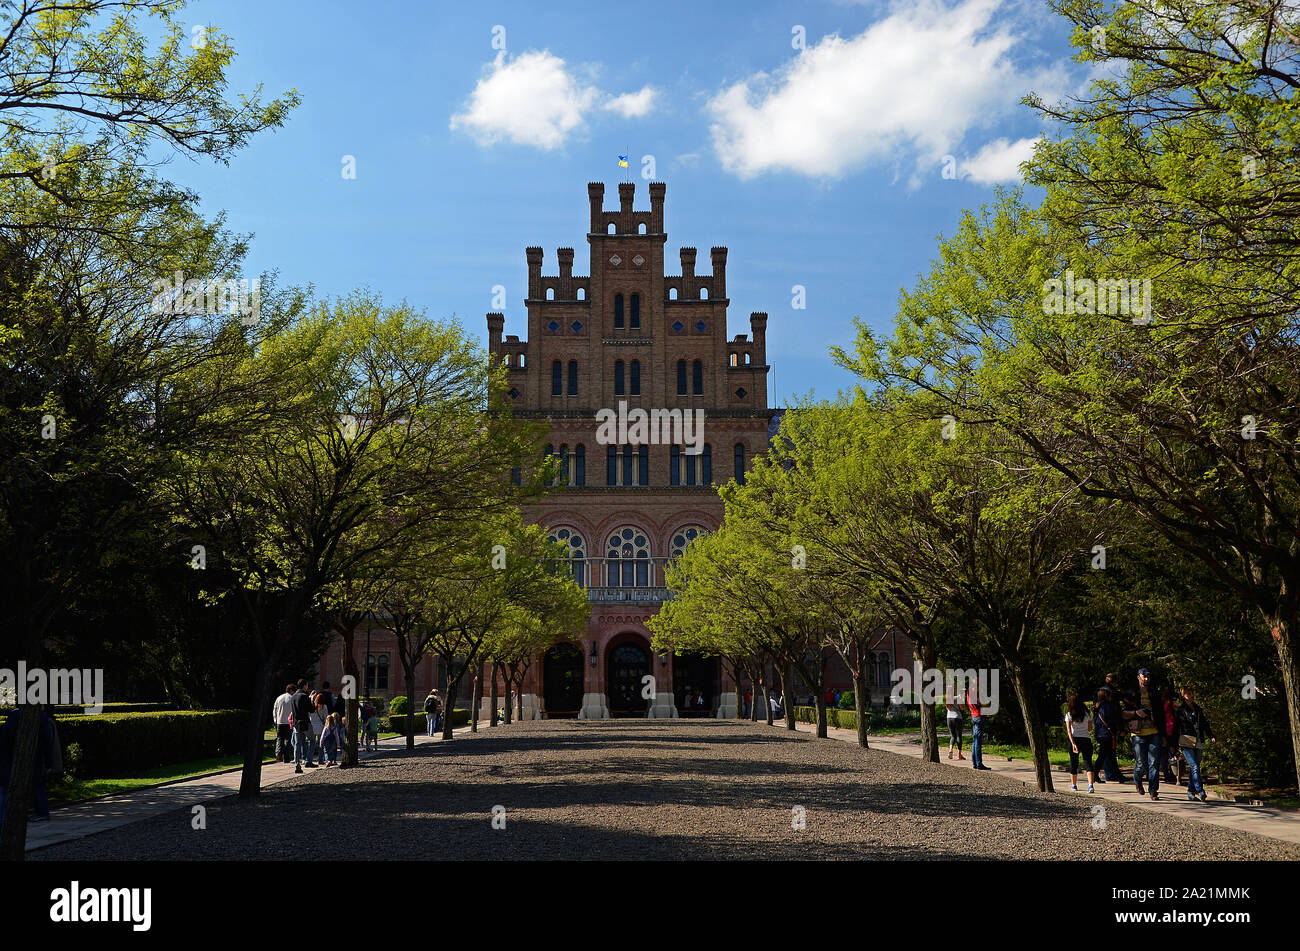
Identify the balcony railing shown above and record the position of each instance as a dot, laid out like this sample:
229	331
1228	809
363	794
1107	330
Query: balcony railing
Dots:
647	595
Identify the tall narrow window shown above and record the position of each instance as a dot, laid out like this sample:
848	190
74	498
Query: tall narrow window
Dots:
627	465
618	311
636	377
564	465
643	466
557	378
681	377
580	466
706	466
675	466
618	377
550	452
573	377
636	312
697	378
740	463
611	465
690	468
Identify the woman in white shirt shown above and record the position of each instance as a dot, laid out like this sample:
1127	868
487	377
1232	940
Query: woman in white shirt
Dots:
1078	730
954	727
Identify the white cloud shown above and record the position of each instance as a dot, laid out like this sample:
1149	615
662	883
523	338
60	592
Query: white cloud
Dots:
535	100
910	86
633	105
999	161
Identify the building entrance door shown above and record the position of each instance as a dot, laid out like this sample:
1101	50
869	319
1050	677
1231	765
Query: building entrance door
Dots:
628	663
562	681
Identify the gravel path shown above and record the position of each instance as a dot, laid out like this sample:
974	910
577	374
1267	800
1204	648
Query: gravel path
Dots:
661	789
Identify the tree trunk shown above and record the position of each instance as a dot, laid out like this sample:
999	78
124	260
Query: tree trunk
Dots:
495	696
923	650
250	781
476	697
752	673
767	695
787	696
1283	631
820	706
13	840
408	670
449	702
1034	727
350	710
859	701
507	698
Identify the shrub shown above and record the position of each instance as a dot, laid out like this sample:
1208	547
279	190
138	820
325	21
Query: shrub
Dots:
846	700
118	744
396	723
397	705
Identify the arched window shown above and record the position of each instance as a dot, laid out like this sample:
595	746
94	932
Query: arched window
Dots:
618	377
611	465
582	293
564	464
733	360
643	466
704	293
577	552
376	672
627	465
697	378
883	674
706	465
550	293
683	538
747	359
580	466
610	229
618	311
740	463
635	322
628	552
640	229
573	377
681	377
636	378
672	293
557	378
690	468
675	466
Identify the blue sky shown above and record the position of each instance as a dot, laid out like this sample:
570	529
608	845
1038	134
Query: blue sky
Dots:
821	166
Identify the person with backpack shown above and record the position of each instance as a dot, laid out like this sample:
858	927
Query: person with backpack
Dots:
1108	728
1192	729
432	707
302	733
282	714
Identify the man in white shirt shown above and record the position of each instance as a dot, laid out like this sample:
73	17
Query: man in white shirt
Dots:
280	711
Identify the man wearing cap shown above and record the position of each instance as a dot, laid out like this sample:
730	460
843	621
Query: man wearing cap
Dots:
1147	730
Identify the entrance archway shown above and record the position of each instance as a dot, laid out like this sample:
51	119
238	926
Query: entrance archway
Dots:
627	664
562	681
695	677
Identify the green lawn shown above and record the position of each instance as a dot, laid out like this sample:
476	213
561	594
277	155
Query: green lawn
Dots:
75	790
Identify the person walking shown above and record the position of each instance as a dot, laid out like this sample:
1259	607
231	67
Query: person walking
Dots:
48	764
1169	754
431	705
976	729
319	720
332	739
955	726
1192	730
302	735
282	713
1107	726
1146	724
1078	730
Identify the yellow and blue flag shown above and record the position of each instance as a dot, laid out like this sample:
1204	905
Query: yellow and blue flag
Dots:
622	161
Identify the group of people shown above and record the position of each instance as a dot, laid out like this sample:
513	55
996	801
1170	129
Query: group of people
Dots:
1159	728
309	726
433	711
48	766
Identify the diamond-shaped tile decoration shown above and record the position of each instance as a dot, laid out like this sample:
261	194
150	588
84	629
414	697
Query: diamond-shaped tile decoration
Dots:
701	326
553	326
514	393
577	326
638	260
678	326
741	393
616	260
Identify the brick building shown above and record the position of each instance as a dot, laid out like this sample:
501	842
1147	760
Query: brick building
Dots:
623	337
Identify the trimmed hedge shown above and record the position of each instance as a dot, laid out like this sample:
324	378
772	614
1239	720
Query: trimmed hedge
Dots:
848	719
397	721
119	744
64	711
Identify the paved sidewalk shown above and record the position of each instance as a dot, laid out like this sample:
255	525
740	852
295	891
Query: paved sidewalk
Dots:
1261	820
81	819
